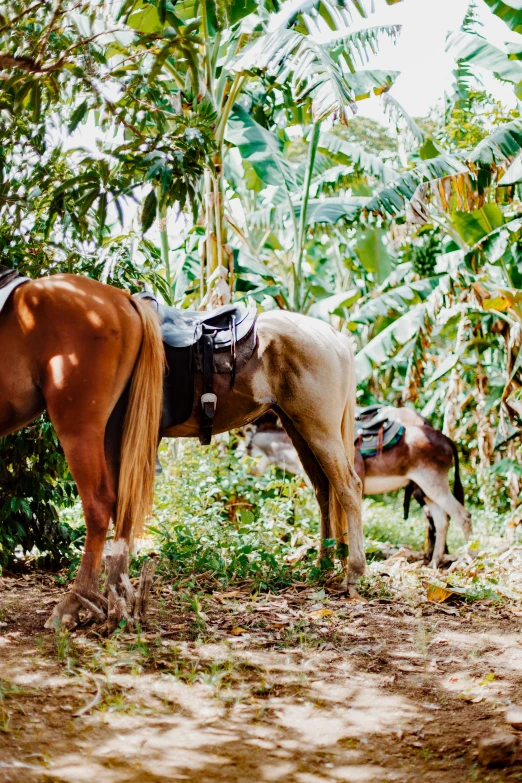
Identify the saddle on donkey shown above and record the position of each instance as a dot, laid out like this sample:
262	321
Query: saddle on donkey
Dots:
375	431
216	341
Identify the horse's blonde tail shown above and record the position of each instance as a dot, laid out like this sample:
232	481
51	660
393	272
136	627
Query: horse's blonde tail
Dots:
338	524
141	428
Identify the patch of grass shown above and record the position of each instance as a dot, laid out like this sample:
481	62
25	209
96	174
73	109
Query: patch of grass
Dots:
64	646
383	519
216	525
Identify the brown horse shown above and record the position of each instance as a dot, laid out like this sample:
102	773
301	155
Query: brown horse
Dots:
93	357
419	462
72	345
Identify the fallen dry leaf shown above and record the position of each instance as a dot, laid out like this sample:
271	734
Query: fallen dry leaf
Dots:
320	613
437	594
238	631
222	596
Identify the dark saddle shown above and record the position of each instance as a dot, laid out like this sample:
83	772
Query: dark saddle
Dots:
375	431
205	342
9	280
7	275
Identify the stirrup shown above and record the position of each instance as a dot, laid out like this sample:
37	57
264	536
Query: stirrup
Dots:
209	403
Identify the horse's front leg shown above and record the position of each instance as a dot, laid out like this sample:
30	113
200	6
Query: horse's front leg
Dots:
87	462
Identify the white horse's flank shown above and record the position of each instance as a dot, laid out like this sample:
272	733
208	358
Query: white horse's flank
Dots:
305	370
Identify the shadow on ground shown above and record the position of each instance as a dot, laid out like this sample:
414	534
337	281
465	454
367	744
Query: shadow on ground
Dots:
298	687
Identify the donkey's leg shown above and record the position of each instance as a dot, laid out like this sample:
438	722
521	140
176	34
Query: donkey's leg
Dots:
430	535
85	455
435	485
316	475
440	522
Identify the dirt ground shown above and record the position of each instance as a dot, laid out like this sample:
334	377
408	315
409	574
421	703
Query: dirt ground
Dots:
302	687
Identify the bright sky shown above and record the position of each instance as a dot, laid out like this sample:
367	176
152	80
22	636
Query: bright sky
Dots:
426	69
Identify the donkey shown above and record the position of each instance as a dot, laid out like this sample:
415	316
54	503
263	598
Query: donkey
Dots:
420	462
94	358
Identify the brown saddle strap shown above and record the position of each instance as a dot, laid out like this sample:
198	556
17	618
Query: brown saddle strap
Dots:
379	440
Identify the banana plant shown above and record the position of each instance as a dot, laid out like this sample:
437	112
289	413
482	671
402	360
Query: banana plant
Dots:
291	199
471	49
308	52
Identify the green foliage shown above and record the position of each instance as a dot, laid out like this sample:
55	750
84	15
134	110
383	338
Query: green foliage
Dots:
470	121
212	515
118	117
35	485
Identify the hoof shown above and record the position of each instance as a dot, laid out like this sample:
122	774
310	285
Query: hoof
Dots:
350	591
65	614
127	606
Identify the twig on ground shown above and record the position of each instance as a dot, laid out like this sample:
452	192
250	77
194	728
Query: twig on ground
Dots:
95	701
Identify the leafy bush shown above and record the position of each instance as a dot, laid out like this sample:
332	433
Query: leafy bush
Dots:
212	516
35	484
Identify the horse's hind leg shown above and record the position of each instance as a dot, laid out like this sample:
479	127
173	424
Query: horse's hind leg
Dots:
346	484
325	441
316	475
85	454
82	428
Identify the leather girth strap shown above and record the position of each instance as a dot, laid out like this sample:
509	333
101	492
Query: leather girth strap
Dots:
208	398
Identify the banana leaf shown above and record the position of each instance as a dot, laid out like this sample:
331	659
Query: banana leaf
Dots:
345	152
476	50
386	344
501	146
390	200
510	12
397	301
262	148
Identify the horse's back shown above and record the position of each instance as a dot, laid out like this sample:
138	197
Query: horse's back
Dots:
303	337
63	334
